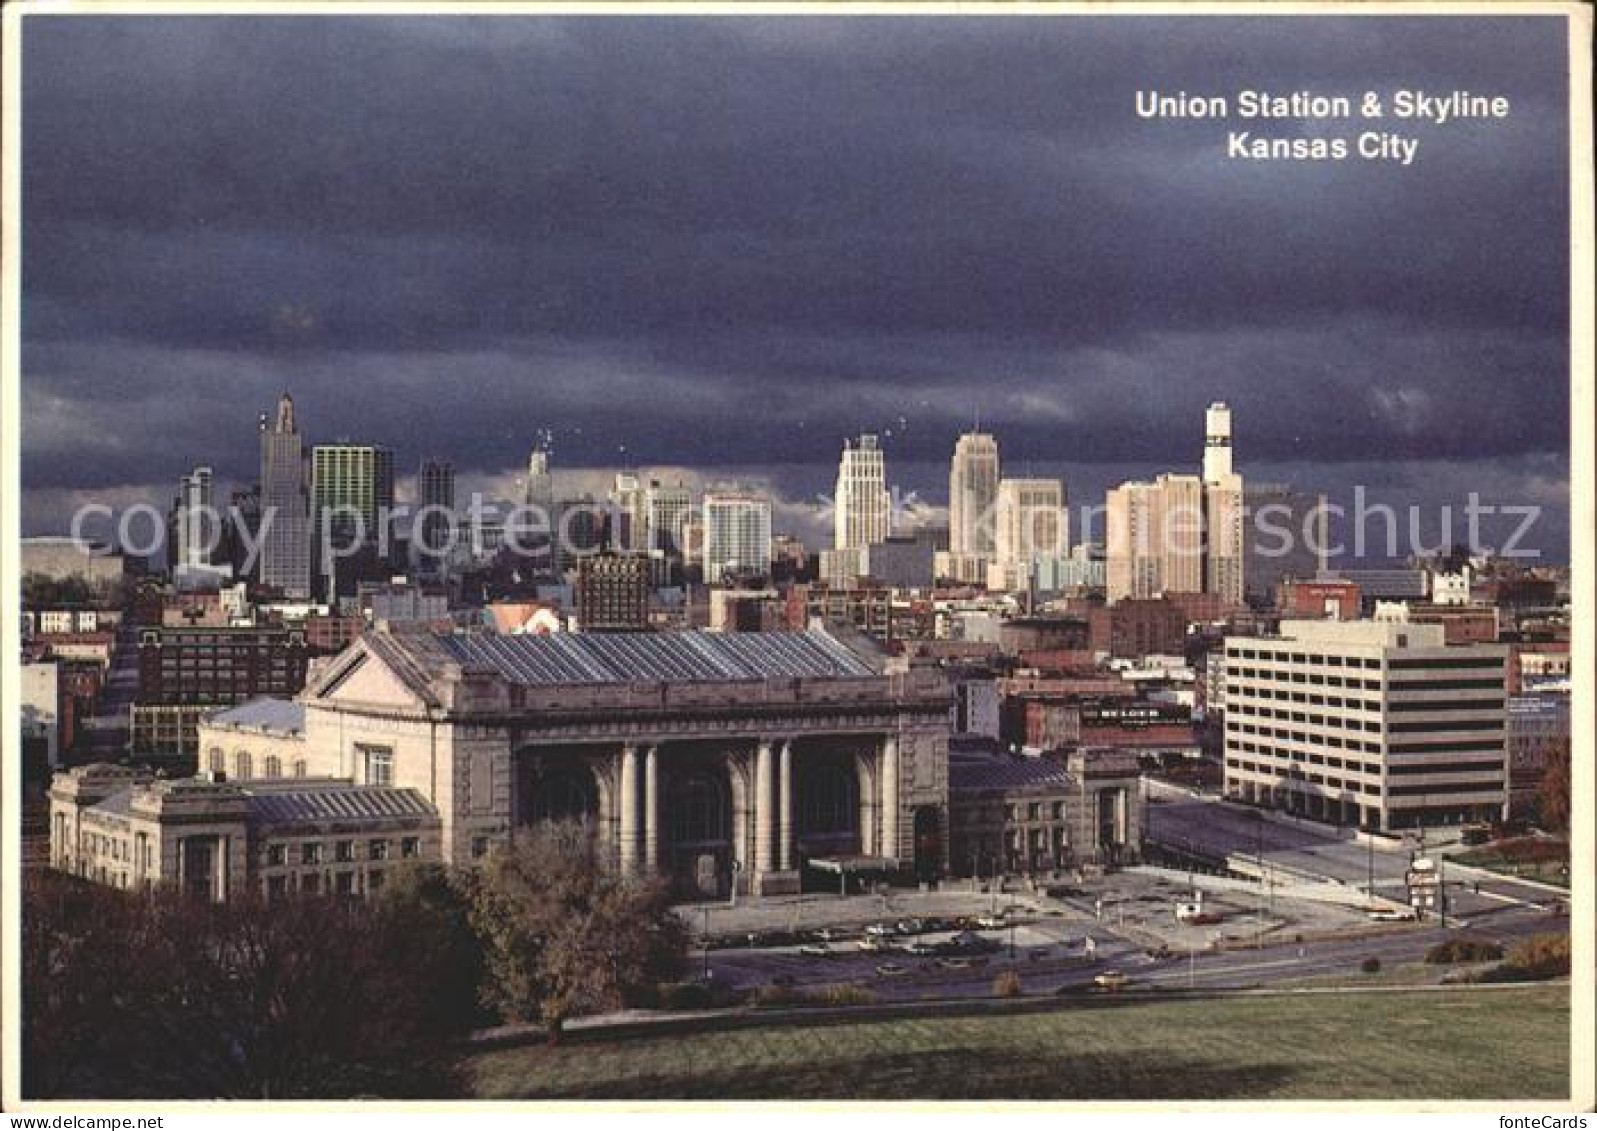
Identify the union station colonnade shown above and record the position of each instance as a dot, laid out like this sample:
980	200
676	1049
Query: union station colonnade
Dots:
714	813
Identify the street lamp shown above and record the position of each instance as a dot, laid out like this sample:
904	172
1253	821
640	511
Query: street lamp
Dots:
706	940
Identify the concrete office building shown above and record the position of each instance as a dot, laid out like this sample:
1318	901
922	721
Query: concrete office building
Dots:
972	495
1366	723
285	550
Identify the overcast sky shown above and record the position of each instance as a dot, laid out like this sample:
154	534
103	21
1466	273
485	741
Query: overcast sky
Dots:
726	244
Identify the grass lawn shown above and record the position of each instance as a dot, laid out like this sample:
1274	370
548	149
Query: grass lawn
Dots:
1444	1045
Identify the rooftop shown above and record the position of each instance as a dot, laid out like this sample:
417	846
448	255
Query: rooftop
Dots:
633	657
971	770
283	715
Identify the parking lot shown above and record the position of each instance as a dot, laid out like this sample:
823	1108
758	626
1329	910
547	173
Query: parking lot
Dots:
908	945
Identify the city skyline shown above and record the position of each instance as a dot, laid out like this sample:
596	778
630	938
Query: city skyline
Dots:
818	267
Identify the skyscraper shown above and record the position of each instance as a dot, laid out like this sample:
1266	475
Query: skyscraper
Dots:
1223	513
629	531
669	507
1154	538
540	487
353	489
435	490
737	535
195	523
285	563
972	494
862	507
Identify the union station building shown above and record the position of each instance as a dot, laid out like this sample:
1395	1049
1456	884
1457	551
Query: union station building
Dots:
756	761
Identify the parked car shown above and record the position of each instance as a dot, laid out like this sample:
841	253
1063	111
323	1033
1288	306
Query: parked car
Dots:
880	931
993	922
1111	980
890	970
920	949
816	950
873	944
1391	915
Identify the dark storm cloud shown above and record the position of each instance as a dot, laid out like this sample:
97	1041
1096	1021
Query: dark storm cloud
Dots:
725	241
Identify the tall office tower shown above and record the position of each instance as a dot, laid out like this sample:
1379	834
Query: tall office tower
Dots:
540	486
629	529
352	486
1030	524
537	532
1154	538
972	495
862	513
1223	513
1391	728
668	508
195	523
285	551
737	535
435	492
355	480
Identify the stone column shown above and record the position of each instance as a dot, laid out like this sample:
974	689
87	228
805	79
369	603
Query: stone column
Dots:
889	795
762	809
785	814
869	822
651	812
629	809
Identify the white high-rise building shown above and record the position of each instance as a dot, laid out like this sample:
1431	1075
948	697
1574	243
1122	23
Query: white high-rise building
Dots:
668	508
1030	524
737	535
196	522
1224	514
540	490
285	545
972	496
862	514
630	532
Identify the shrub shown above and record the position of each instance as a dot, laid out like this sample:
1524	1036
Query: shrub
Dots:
1463	950
1541	957
1371	965
1008	984
683	996
775	996
844	995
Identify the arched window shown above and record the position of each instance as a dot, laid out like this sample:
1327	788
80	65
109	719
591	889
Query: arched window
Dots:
274	766
565	794
243	767
698	810
217	760
828	800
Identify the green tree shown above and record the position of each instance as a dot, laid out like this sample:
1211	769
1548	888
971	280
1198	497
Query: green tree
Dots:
564	934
